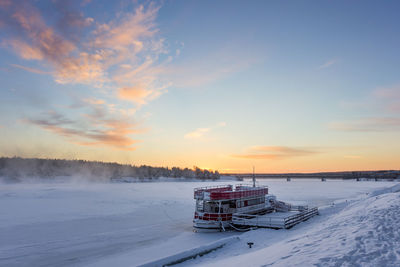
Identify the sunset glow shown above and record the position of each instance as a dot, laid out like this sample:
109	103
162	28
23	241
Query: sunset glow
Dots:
282	86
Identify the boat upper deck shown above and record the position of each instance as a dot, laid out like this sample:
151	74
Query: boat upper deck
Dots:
227	192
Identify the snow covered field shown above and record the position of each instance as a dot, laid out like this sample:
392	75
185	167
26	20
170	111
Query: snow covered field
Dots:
128	224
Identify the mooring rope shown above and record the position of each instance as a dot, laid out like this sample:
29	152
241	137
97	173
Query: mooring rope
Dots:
242	230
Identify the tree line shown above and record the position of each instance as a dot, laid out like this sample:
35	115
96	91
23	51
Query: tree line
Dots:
18	168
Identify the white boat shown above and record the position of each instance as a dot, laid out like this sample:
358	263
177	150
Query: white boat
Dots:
215	205
225	206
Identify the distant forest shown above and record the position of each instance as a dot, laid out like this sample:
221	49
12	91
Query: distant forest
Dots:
15	169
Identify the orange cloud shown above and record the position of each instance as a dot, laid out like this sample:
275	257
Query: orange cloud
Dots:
128	32
275	152
99	127
42	42
282	150
121	56
126	41
136	94
25	50
108	137
139	95
200	132
197	133
86	69
255	156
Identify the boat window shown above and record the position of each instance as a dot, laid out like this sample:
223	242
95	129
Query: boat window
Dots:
256	201
232	204
207	207
200	205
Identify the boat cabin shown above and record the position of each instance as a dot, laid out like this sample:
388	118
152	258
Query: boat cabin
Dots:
215	205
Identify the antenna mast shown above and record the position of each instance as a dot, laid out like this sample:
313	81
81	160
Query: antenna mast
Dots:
254	178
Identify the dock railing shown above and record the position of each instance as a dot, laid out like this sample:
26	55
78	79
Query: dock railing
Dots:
271	221
257	220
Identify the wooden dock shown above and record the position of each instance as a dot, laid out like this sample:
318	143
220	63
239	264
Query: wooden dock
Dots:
276	220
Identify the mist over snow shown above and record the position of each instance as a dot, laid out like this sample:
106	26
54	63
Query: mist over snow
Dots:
57	170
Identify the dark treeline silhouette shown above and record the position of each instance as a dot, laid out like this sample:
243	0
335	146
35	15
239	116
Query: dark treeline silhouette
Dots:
343	175
16	168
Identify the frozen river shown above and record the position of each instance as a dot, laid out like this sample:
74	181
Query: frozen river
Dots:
61	224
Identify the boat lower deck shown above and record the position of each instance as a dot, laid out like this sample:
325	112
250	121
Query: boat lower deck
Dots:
275	220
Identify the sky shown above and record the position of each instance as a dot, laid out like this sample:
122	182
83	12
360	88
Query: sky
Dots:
284	86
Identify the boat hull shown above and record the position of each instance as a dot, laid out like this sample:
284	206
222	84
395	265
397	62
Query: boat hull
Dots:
210	226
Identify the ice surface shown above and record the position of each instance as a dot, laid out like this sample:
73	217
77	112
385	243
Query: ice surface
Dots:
62	224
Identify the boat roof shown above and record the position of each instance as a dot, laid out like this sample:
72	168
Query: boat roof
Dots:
228	192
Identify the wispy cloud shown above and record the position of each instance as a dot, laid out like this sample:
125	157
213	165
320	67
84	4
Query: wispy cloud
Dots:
123	59
100	127
33	70
328	64
221	62
101	57
196	76
377	124
200	132
38	41
384	101
120	59
388	98
275	152
5	3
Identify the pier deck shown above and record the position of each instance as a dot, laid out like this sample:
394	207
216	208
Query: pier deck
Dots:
276	220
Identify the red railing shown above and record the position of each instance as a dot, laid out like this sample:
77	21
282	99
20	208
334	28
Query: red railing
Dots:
198	192
226	192
238	194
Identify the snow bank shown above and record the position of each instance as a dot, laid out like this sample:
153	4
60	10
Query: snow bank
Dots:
392	189
191	253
